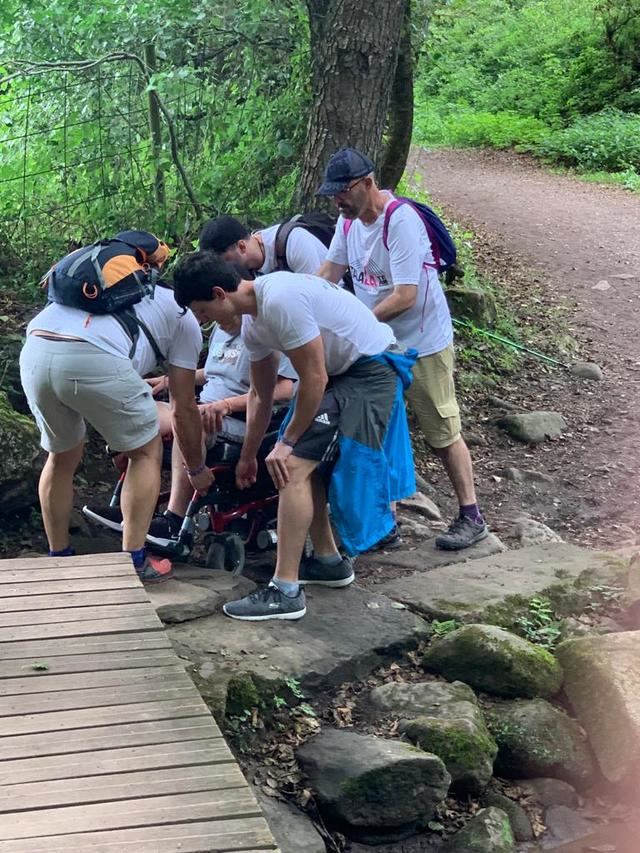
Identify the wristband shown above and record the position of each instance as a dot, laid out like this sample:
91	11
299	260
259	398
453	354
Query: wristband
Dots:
229	411
196	471
284	440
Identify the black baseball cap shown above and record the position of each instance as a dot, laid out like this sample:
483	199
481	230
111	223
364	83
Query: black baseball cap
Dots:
220	233
343	167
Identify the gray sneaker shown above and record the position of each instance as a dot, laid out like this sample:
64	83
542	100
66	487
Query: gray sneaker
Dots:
462	533
314	572
267	603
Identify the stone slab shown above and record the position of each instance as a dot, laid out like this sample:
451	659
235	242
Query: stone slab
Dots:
193	593
602	681
465	591
426	556
292	829
345	635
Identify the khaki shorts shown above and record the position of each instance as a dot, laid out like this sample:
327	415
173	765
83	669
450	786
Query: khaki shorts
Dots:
70	382
432	396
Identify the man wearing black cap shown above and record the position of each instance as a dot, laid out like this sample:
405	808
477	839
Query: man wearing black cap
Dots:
397	279
256	251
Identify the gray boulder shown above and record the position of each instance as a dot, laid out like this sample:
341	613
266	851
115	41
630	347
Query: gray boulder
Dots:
535	739
528	532
587	370
292	829
550	792
20	442
423	505
602	683
494	660
443	719
472	304
489	831
373	788
533	427
518	818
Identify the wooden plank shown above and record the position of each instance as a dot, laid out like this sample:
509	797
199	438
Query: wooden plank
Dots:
250	835
85	718
125	735
148	811
74	614
120	786
210	750
149	622
87	663
172	687
127	581
30	576
133	595
45	650
47	683
113	559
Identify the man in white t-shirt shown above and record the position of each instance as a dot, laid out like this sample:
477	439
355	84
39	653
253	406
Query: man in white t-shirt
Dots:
335	345
256	251
399	283
76	367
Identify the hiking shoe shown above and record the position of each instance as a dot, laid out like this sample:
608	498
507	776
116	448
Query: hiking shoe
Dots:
107	516
389	542
312	571
462	533
164	531
155	570
267	603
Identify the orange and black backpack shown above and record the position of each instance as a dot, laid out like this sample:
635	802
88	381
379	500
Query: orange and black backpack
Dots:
110	277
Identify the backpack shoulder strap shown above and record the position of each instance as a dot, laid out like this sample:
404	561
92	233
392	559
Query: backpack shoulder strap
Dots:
393	205
132	325
282	235
346	226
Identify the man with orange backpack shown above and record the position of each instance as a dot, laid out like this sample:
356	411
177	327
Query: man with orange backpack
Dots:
107	325
394	249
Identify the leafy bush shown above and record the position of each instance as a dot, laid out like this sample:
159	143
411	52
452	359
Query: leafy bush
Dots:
608	140
464	127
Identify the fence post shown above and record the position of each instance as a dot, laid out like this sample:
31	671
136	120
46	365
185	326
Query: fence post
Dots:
155	126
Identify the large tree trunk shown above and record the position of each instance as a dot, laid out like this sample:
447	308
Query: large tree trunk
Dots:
354	50
400	120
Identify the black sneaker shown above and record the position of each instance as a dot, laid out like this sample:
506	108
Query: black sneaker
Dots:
267	603
462	533
107	516
164	530
312	571
389	542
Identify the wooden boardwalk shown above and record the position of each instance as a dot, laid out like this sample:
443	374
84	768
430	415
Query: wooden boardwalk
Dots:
105	743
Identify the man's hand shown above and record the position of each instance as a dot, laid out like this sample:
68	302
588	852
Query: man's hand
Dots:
246	472
158	384
277	464
202	482
212	415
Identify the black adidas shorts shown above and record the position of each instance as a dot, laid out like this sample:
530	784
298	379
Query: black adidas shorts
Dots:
320	441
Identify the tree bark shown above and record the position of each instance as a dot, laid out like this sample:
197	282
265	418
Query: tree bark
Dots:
400	120
354	51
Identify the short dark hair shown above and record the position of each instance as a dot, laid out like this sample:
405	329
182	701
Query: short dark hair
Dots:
197	273
219	234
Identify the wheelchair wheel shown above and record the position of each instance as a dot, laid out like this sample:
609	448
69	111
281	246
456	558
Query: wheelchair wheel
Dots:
215	557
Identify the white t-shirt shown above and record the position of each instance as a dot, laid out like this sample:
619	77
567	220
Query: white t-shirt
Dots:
305	253
294	309
227	370
177	335
376	271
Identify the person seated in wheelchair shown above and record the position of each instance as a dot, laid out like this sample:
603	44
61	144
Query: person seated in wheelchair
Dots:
225	380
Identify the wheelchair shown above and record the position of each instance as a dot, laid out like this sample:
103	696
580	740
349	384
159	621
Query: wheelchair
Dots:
232	522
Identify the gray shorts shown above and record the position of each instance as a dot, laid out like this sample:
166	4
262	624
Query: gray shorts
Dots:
70	382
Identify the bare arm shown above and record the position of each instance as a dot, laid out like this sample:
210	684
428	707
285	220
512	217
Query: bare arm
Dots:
259	403
332	272
401	299
187	426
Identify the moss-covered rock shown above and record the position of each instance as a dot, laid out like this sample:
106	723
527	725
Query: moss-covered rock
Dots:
472	304
518	818
373	788
535	739
19	439
446	720
492	659
603	685
489	831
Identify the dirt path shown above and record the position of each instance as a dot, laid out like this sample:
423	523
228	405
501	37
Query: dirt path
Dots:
581	244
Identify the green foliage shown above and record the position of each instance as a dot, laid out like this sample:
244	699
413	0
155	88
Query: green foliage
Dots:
440	629
608	140
539	624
